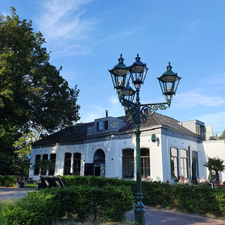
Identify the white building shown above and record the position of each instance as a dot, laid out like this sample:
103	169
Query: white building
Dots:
107	147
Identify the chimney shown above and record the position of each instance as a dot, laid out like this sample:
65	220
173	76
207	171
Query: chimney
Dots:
106	113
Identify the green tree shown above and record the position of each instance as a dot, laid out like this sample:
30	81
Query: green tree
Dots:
23	144
44	165
23	150
32	92
222	136
215	164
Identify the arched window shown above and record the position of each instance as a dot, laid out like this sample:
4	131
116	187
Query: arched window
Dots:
128	163
99	163
145	163
184	163
53	160
37	160
67	163
44	170
76	163
174	162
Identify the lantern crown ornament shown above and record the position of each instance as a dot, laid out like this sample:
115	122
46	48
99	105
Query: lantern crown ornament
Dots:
169	82
138	71
119	74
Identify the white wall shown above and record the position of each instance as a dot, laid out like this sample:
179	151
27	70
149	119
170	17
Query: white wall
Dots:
212	149
159	153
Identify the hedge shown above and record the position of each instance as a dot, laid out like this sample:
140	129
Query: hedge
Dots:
192	199
40	208
8	181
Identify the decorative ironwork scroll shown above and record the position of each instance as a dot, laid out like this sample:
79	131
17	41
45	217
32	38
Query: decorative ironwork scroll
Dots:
146	110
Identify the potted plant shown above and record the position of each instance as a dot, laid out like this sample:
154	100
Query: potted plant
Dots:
44	165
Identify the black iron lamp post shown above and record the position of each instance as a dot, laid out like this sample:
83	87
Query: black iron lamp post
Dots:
121	75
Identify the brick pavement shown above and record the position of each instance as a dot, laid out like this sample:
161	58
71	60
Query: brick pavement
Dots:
155	216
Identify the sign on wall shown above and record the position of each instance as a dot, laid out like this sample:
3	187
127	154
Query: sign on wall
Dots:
97	146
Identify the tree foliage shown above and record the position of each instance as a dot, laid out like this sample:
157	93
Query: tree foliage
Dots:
222	136
32	92
23	144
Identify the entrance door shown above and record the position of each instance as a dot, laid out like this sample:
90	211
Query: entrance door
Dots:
97	171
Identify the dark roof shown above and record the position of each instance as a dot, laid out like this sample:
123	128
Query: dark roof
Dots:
155	120
76	132
79	131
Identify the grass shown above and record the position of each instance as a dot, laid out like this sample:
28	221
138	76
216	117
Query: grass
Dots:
31	185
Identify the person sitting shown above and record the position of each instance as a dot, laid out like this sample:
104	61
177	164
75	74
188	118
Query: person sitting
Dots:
203	180
179	179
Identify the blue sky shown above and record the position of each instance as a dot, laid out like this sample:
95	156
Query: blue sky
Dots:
86	37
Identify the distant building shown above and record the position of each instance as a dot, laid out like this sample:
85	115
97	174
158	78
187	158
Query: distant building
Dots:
107	147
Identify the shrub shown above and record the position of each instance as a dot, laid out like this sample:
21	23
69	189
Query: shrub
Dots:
37	208
193	199
8	181
109	203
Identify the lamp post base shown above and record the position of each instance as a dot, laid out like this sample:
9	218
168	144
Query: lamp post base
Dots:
139	210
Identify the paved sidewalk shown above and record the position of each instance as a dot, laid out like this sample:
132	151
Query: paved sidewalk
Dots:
14	193
155	216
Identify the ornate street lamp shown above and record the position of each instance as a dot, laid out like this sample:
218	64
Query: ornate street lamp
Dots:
169	82
121	74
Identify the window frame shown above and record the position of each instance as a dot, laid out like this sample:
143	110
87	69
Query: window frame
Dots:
76	166
182	160
53	160
128	159
176	169
144	168
67	164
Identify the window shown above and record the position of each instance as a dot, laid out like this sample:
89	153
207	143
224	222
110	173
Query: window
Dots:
37	160
67	163
53	159
44	170
106	125
174	162
128	163
195	164
184	163
76	163
102	125
145	163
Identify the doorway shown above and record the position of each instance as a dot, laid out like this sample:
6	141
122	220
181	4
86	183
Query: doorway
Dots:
99	163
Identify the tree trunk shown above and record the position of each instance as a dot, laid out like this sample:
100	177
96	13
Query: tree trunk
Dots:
217	178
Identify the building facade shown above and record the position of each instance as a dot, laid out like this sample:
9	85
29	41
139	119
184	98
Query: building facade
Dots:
107	147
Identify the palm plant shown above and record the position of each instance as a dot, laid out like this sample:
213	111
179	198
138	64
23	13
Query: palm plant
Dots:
215	164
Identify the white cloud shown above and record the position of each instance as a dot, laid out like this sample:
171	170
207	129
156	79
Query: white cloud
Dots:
116	36
216	120
65	23
114	100
194	98
75	50
115	109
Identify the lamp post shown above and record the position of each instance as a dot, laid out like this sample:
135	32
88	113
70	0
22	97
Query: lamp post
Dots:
121	75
